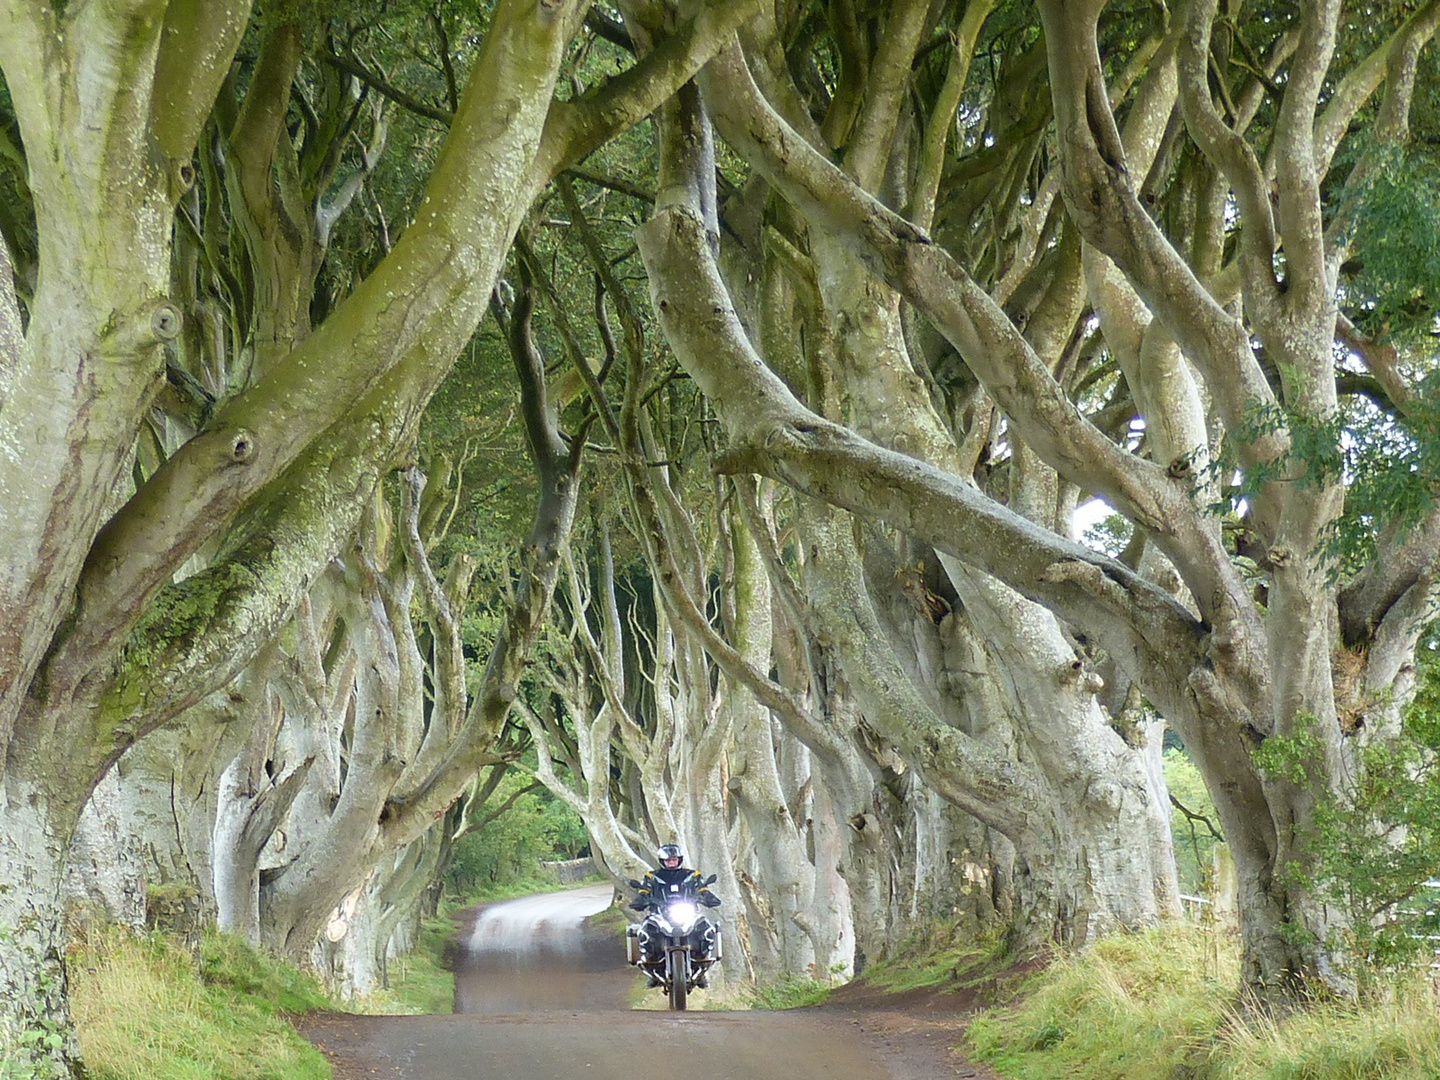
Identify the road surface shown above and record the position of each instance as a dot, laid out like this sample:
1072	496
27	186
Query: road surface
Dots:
539	998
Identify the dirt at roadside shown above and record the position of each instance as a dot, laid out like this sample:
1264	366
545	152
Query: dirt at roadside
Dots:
920	1030
343	1038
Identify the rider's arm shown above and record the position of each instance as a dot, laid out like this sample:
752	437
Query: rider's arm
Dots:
704	895
646	897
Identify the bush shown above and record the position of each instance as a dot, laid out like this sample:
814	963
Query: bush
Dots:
1374	846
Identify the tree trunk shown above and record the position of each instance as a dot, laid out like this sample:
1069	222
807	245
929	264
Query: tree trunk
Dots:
34	1016
105	879
787	877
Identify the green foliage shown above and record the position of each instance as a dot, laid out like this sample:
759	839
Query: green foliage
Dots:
23	1048
31	1047
503	855
1390	470
1293	758
1159	1005
1395	243
1110	534
1377	852
1376	842
146	1008
1387	463
1194	842
789	992
1313	459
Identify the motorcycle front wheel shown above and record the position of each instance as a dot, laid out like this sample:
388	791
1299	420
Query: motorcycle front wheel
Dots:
677	967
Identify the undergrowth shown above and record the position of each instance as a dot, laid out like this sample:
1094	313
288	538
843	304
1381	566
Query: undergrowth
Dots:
1161	1005
422	981
147	1008
937	955
789	992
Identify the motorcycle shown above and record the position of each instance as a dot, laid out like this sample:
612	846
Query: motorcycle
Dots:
674	944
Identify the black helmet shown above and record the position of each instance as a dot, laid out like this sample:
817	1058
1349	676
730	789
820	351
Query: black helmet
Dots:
666	852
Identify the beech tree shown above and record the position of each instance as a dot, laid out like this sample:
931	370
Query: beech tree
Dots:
108	634
1178	190
958	267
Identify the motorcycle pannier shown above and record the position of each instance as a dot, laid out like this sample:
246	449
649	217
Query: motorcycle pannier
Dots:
632	944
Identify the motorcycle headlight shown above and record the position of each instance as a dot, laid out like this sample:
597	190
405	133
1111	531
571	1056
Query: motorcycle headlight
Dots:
682	915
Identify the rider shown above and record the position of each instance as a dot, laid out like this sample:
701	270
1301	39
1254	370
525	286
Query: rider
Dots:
671	873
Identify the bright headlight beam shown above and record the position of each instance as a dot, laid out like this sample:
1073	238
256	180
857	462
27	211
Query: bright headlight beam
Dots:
682	915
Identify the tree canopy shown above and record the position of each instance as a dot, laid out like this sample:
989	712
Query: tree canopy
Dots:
820	321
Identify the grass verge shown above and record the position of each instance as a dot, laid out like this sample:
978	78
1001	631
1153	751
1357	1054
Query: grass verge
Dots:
1159	1005
936	956
147	1008
422	981
613	920
527	886
789	992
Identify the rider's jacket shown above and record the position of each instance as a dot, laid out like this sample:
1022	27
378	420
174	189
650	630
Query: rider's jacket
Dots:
658	884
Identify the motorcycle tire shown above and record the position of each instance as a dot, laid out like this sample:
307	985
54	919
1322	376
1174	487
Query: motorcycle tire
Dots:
677	967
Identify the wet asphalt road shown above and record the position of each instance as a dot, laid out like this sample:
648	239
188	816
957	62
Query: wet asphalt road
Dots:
538	999
530	956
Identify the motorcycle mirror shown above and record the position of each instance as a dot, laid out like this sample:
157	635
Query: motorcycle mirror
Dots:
634	884
708	881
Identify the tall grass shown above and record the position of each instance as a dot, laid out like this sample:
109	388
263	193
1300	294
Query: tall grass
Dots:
1160	1005
1394	1038
146	1008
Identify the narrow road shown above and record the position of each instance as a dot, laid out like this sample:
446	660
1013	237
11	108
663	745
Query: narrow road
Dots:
532	956
538	998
